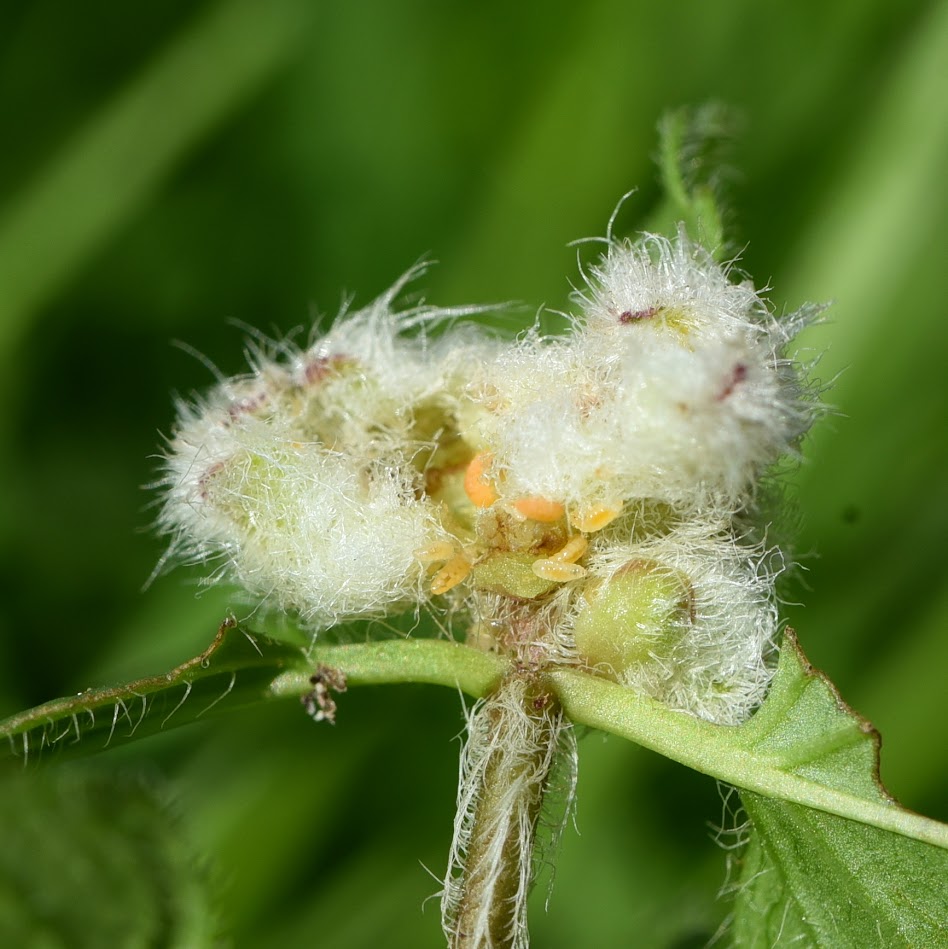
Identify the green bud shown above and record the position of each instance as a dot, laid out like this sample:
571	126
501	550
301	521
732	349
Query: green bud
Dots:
640	613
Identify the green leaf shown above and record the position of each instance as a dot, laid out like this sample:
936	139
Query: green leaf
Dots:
235	670
693	143
803	745
812	733
822	880
832	859
94	860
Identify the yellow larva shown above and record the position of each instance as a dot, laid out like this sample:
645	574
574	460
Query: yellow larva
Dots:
451	574
558	571
595	517
572	550
438	551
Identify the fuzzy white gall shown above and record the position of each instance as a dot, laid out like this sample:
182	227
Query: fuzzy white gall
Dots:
582	499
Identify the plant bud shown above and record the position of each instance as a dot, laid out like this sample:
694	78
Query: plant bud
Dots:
639	615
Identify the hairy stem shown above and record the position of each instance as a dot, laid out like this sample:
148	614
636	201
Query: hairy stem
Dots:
505	772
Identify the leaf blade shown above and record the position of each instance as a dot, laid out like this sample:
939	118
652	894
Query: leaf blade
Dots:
235	670
836	882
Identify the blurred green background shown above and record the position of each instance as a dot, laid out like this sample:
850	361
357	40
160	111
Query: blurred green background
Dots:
168	169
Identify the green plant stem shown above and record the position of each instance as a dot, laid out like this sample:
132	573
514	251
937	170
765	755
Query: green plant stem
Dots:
718	751
511	750
431	661
735	754
723	752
